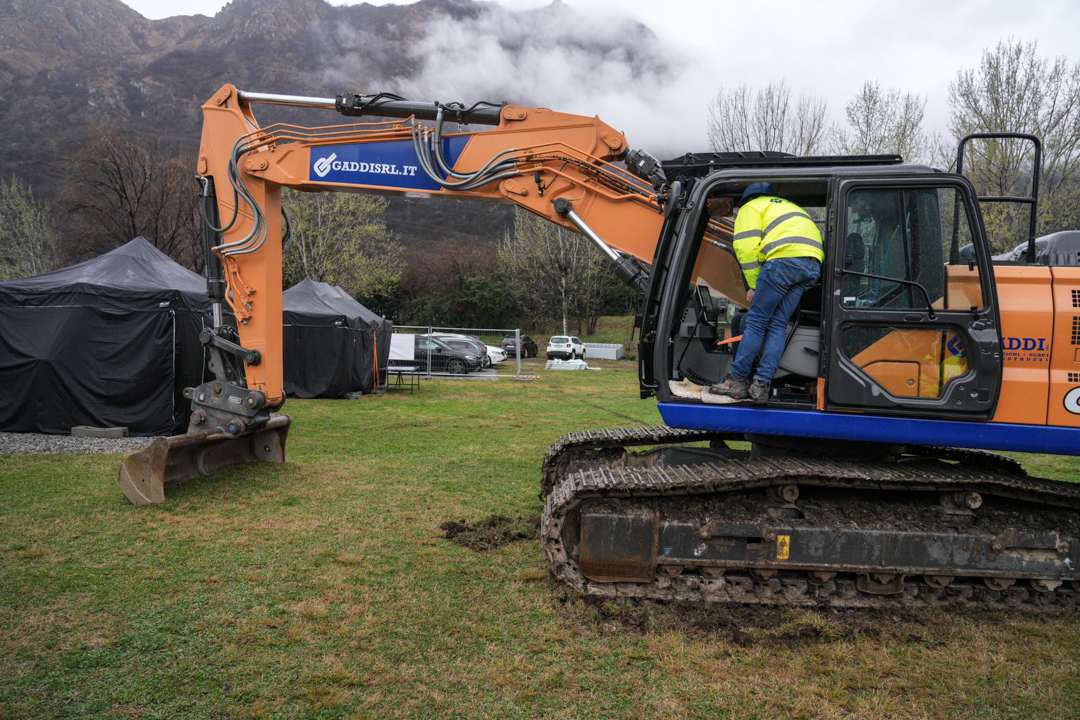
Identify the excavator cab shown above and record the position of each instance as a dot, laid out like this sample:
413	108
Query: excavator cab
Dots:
901	322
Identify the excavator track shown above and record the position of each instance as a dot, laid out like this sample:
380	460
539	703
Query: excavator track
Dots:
1031	523
594	446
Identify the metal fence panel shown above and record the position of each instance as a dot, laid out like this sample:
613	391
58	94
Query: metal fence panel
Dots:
430	365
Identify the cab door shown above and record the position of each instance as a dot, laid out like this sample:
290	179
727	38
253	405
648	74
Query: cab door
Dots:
912	314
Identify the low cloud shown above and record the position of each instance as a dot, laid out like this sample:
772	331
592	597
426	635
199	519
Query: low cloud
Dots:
556	57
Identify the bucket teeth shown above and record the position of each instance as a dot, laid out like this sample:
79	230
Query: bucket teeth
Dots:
145	474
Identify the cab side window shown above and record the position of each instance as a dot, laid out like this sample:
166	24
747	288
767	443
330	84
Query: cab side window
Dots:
899	239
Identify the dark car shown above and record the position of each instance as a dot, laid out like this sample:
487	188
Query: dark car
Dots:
443	357
467	344
528	346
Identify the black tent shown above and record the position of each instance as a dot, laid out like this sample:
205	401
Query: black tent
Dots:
333	344
109	342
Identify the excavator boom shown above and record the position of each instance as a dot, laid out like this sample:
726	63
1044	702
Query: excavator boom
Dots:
559	166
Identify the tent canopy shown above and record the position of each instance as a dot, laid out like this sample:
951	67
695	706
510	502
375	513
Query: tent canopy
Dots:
137	271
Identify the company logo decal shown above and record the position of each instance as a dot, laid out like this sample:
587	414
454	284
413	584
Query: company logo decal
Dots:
323	166
390	165
1072	401
1026	350
956	346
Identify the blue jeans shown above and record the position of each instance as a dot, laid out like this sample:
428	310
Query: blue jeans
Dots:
780	286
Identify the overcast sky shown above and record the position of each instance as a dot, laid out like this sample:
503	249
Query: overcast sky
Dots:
827	48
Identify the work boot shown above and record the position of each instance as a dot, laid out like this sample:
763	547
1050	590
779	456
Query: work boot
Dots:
732	387
759	393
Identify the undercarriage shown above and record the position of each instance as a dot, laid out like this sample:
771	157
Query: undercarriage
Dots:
689	518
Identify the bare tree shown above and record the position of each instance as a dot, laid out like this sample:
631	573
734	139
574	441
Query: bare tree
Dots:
119	188
27	233
553	272
538	260
340	239
597	286
1015	89
884	121
742	118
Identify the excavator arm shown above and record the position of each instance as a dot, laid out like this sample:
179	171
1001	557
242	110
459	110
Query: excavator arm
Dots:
532	157
556	165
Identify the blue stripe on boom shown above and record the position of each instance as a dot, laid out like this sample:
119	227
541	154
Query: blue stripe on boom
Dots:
392	164
874	428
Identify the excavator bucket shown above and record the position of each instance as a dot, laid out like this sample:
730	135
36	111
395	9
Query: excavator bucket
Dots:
144	475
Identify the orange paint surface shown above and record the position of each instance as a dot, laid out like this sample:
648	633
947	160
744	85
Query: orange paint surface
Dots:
963	290
1027	314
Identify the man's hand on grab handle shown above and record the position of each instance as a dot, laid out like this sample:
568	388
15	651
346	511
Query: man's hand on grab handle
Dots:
750	296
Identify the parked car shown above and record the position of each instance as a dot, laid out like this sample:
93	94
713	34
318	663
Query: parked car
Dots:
466	343
528	347
443	357
497	354
565	347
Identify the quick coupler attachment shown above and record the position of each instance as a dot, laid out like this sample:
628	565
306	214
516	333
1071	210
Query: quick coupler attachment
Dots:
230	426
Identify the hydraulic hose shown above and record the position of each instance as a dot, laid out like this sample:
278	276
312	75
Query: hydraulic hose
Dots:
206	220
427	145
257	236
436	145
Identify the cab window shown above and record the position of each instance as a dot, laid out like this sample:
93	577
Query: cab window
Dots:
900	242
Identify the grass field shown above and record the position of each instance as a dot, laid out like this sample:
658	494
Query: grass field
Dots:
323	588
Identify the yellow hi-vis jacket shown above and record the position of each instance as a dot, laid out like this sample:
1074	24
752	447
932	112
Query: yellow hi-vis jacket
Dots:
769	227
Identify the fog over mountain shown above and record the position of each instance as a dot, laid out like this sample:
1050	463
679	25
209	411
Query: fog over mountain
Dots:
65	64
553	57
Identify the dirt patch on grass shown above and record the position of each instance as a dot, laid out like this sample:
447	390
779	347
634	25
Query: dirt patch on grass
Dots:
492	532
747	626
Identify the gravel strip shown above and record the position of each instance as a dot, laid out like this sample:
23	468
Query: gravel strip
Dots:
41	444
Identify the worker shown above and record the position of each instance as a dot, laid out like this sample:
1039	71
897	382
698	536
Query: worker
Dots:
780	252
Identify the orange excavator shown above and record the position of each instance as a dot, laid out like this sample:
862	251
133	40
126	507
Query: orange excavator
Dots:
868	480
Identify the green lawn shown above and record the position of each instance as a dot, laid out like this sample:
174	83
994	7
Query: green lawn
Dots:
323	588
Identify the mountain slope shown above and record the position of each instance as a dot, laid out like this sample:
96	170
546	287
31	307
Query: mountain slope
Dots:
67	63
